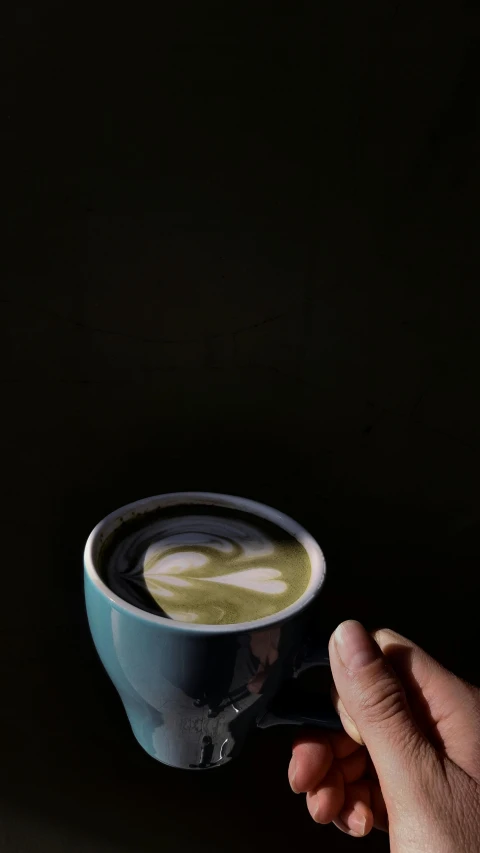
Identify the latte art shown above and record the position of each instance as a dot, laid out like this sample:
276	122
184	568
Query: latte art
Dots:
208	568
180	576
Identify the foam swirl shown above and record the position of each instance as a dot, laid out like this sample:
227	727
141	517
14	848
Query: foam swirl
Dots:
210	569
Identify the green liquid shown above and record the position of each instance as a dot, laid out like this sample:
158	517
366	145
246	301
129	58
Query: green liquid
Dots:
226	567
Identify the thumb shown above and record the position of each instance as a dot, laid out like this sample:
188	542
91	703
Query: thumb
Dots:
374	699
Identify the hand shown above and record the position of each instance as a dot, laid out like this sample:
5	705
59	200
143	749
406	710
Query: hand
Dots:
409	760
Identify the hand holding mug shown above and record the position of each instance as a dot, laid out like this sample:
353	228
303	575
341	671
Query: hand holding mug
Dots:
409	759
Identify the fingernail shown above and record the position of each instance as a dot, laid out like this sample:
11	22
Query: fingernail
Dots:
348	723
292	772
354	646
355	822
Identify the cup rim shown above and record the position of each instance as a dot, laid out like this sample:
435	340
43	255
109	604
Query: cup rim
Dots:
114	519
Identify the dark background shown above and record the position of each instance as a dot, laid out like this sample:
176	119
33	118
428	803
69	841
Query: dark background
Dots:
240	252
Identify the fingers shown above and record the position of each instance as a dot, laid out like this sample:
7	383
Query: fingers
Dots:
446	708
354	766
346	720
404	706
311	760
374	699
434	694
354	809
314	754
325	802
342	744
356	816
331	769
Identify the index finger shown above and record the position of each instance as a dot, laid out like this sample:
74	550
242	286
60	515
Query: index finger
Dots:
313	756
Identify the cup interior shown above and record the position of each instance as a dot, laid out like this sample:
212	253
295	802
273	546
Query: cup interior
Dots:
101	533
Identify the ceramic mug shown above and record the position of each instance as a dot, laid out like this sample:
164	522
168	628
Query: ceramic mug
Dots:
193	692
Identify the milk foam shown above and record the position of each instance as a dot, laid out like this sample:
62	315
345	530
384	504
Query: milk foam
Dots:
210	568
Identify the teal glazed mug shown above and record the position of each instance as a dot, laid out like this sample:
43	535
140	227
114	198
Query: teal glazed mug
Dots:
193	692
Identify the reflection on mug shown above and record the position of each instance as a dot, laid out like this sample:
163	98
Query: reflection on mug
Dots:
264	647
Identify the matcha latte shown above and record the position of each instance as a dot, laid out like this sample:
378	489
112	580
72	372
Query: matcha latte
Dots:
205	565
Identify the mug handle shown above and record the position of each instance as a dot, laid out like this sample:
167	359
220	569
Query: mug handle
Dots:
295	707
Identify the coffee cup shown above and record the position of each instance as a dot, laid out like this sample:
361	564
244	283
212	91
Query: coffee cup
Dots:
192	692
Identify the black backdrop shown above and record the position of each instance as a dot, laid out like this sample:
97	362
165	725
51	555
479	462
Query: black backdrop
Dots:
239	253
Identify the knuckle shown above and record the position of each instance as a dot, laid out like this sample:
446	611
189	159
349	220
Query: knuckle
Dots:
382	700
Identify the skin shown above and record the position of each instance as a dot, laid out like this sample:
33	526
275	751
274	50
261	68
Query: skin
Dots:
409	759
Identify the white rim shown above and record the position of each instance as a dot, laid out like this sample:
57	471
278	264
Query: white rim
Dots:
100	533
